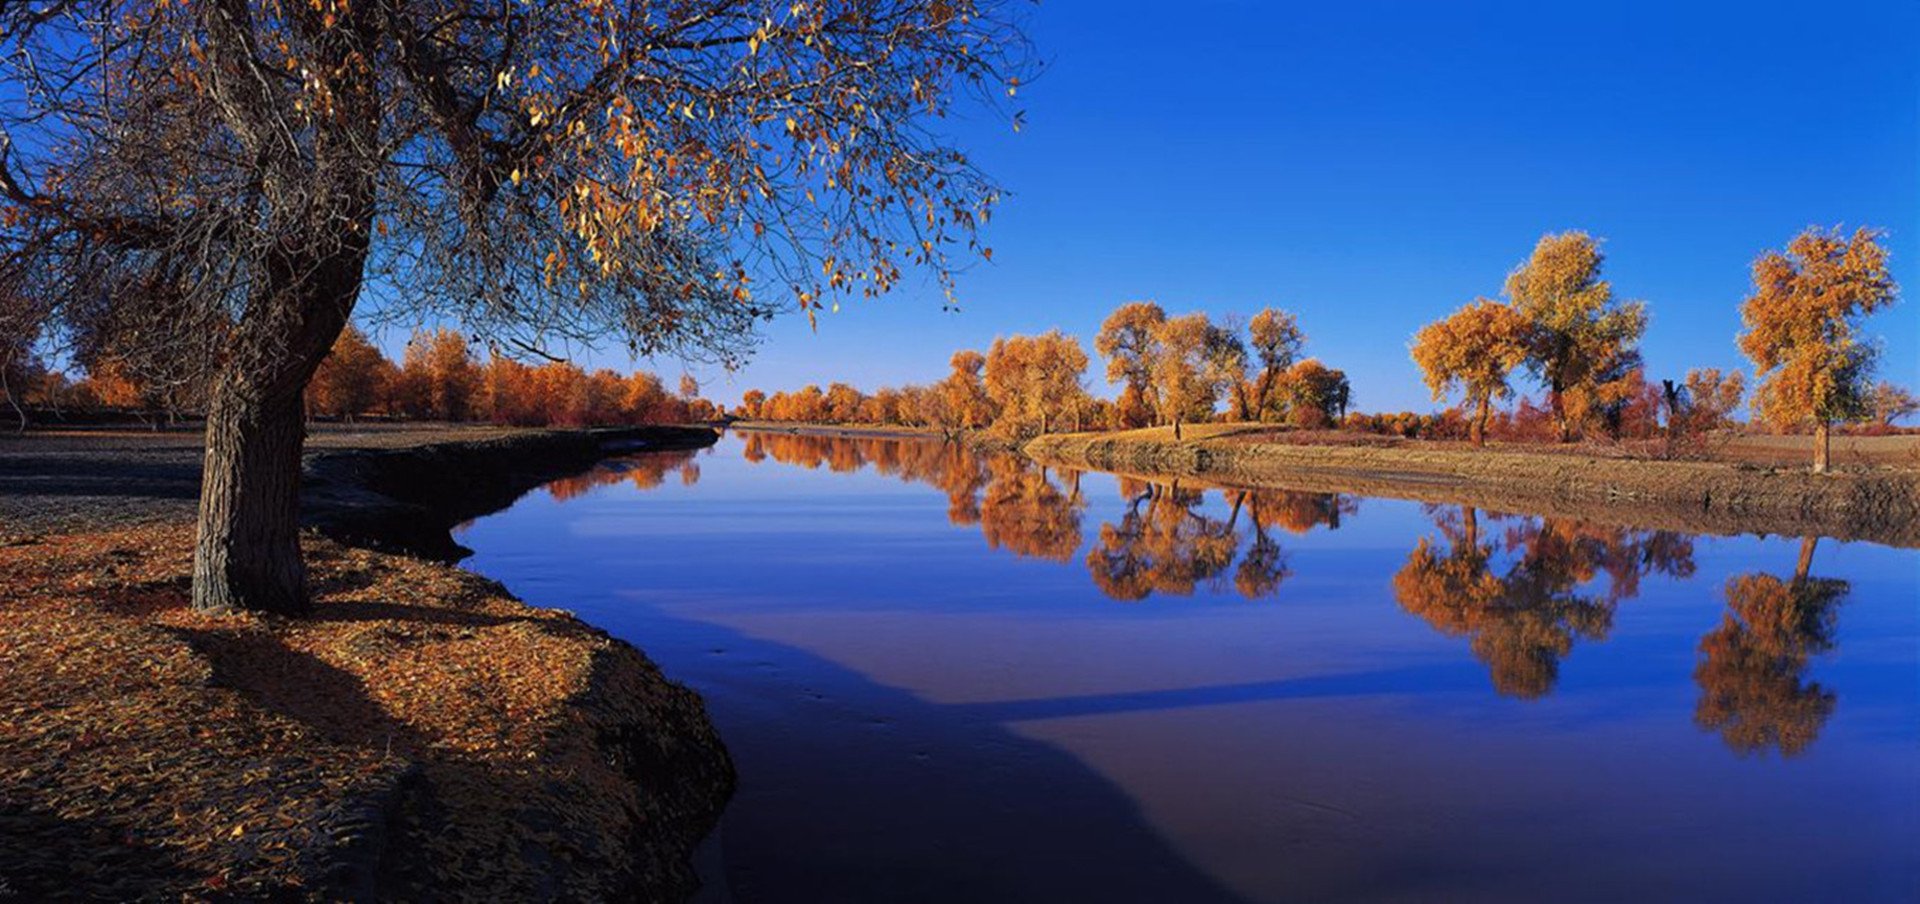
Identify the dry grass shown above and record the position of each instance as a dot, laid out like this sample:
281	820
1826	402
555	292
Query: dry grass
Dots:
1902	451
1610	486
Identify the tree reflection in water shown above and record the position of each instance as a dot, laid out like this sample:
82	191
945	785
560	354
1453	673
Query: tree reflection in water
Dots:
1521	616
1522	593
645	472
1752	671
1025	514
1164	542
954	470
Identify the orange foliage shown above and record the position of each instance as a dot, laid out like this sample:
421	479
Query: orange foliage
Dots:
1025	513
1582	342
1802	329
1128	340
441	380
1473	350
1172	545
1034	381
1314	394
438	377
1711	398
1276	342
352	379
1889	402
644	472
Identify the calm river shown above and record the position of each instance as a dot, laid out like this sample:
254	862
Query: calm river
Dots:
954	677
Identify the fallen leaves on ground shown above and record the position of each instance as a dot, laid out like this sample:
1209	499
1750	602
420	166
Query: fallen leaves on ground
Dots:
422	733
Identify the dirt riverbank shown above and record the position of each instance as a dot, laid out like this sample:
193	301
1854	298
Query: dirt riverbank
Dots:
979	440
422	735
1878	504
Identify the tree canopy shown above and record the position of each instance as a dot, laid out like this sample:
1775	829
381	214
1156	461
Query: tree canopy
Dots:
669	173
1473	350
1582	340
1032	379
1127	339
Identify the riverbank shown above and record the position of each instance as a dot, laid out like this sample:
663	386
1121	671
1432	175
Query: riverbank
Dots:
421	734
408	500
1877	504
979	440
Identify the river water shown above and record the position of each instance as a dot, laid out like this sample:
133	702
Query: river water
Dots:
953	677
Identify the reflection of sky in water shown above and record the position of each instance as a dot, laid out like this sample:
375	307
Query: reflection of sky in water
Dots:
919	715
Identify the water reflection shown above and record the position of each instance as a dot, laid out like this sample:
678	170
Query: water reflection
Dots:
1026	514
919	641
644	472
1522	590
1752	673
1166	541
1522	600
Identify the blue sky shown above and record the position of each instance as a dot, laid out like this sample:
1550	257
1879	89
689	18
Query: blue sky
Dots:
1373	165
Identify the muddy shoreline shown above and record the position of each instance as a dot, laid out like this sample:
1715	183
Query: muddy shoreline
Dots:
408	500
1881	505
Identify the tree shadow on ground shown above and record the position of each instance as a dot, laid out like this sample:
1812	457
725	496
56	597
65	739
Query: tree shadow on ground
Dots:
46	857
157	476
262	668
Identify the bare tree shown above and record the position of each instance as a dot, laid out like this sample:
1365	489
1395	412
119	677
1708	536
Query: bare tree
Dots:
22	322
669	172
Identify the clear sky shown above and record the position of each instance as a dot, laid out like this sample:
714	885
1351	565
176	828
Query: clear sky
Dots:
1372	165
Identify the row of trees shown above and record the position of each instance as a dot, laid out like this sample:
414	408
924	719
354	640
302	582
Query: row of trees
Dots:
440	378
1175	370
1023	385
1172	370
1561	322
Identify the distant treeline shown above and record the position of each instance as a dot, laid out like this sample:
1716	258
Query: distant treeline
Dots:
1175	370
1559	323
438	378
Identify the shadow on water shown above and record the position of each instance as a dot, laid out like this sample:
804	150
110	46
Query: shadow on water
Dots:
890	797
1355	684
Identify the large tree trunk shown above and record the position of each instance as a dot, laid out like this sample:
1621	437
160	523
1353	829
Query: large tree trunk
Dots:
304	277
1822	446
1478	432
247	553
